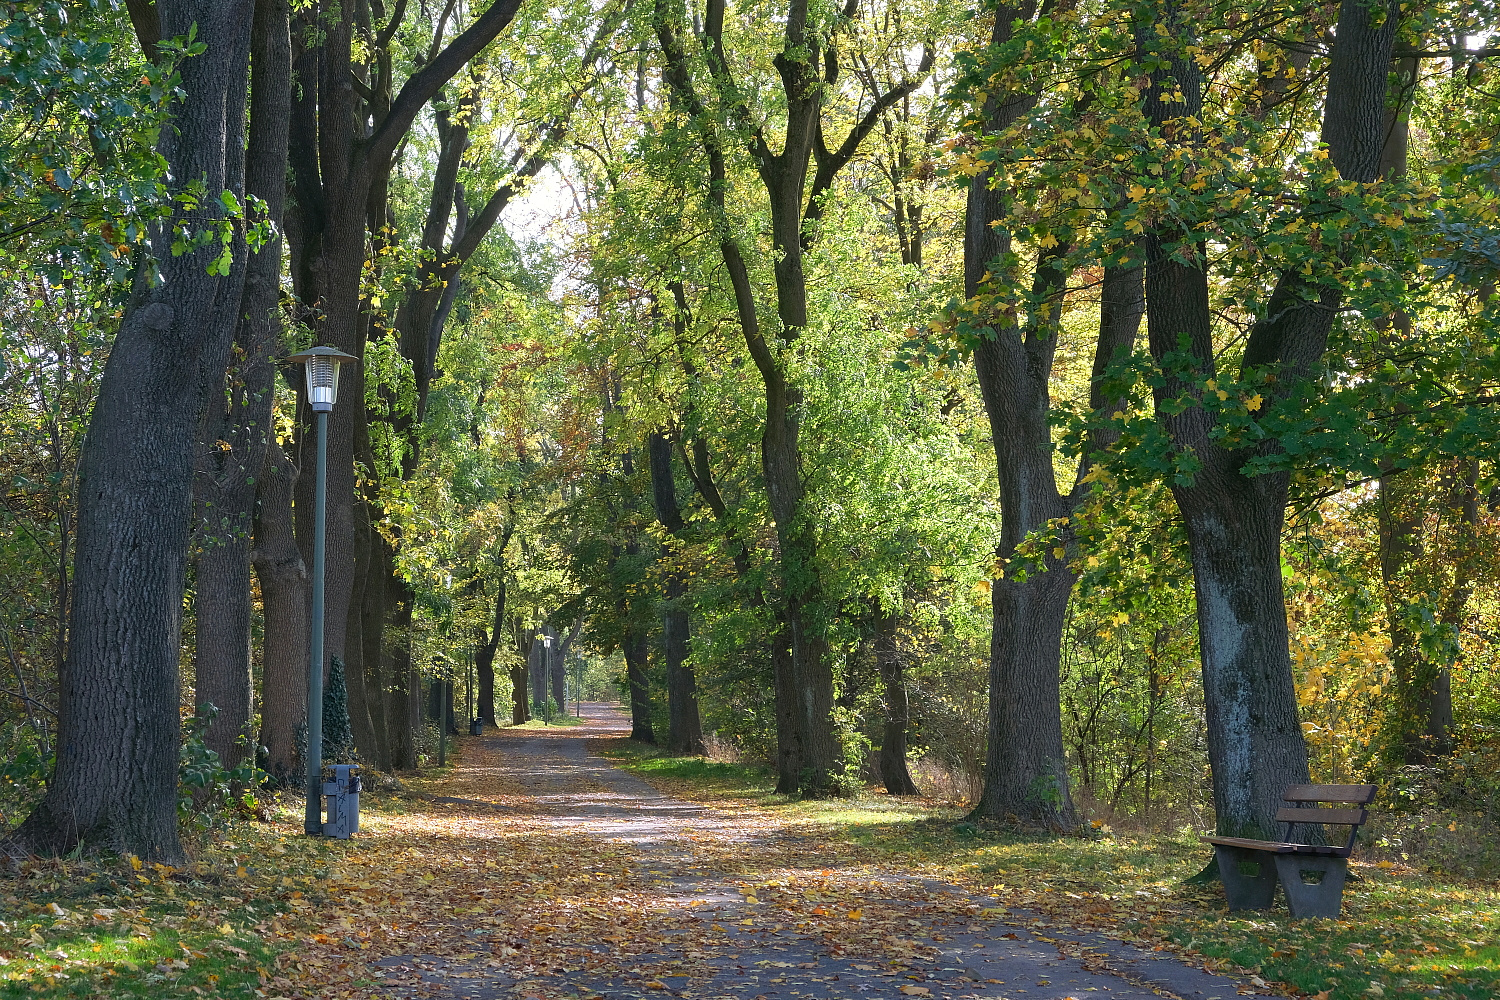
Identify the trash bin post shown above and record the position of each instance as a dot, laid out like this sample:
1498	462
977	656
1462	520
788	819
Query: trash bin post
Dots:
476	728
341	788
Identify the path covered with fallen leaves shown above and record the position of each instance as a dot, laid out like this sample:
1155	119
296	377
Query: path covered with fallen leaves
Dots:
539	870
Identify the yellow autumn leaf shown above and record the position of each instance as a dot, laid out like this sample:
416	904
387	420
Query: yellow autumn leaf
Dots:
1047	241
1059	552
1222	394
1253	403
915	991
1136	192
136	863
856	914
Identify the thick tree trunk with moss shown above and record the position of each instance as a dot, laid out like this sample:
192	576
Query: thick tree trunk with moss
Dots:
1233	521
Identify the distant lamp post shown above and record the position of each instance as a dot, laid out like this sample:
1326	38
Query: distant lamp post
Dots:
322	368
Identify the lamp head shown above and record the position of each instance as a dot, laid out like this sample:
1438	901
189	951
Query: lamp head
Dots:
322	368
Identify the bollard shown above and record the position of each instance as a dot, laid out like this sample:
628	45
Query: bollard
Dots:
341	792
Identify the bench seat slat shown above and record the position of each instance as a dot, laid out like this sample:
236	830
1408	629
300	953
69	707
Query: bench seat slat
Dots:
1358	794
1343	817
1273	847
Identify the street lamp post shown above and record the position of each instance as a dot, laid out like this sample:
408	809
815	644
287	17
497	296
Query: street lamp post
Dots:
322	368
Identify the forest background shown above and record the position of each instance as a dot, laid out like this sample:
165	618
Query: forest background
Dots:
1084	410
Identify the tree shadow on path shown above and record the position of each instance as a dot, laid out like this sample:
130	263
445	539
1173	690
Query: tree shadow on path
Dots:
713	906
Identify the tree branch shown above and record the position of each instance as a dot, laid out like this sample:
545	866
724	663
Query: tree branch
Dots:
424	84
829	164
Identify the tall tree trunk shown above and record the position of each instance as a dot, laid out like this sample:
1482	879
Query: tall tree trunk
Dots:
520	707
221	648
637	650
403	696
343	141
114	785
484	660
1234	521
892	664
1026	768
356	670
808	753
284	596
233	449
684	724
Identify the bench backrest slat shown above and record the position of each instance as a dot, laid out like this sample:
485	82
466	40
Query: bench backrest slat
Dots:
1358	794
1345	817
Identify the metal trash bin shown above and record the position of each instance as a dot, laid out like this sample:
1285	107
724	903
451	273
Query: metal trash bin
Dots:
476	728
341	794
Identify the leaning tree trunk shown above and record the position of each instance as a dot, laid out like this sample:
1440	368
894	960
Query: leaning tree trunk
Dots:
893	768
284	597
114	784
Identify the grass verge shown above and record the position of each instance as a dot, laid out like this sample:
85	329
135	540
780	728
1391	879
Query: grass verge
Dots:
225	925
1405	933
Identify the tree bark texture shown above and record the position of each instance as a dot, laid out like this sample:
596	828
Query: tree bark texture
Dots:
114	785
893	769
484	659
520	706
1233	521
1026	768
637	651
284	594
684	723
232	450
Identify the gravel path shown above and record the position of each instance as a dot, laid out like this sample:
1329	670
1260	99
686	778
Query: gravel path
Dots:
977	950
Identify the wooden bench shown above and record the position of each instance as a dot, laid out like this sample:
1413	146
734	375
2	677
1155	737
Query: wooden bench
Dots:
1250	878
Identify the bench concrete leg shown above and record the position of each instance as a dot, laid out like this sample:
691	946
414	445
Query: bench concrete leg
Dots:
1321	899
1246	892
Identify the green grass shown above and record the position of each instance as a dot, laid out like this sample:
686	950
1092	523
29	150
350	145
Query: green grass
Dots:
1406	933
730	780
557	720
105	927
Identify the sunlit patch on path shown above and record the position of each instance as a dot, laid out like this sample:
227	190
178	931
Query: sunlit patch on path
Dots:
549	873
